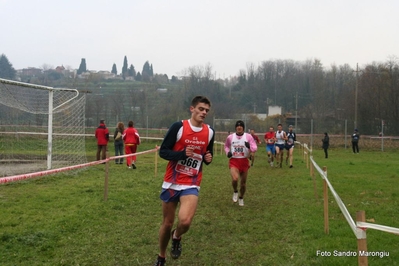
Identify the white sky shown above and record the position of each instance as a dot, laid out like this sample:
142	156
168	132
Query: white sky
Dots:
176	34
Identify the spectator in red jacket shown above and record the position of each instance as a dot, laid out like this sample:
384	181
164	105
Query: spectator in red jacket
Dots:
102	136
132	139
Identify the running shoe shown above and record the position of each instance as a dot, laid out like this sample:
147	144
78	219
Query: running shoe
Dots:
160	262
175	252
291	166
241	202
134	165
235	196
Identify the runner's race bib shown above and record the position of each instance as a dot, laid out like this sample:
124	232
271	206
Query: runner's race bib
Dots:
238	151
190	166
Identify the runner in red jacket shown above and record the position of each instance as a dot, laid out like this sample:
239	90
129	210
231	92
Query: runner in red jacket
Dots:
132	139
102	136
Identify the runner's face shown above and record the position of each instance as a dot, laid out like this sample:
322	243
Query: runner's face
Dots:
271	129
239	129
279	128
199	112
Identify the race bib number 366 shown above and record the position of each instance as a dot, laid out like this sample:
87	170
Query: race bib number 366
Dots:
190	166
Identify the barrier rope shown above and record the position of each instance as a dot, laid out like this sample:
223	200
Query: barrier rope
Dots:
340	203
14	178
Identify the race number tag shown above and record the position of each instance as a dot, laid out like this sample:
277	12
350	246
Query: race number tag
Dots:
190	166
238	151
271	141
290	141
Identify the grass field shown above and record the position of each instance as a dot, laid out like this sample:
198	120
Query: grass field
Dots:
63	219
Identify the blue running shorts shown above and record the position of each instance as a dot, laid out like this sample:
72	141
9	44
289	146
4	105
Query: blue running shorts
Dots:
171	195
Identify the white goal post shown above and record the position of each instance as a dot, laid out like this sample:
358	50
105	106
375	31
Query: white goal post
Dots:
30	114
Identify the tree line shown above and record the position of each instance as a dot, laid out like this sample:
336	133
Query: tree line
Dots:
365	98
146	74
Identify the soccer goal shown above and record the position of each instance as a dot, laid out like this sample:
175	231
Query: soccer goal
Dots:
40	127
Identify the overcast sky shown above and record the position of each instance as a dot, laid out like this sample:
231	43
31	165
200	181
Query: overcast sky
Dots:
176	34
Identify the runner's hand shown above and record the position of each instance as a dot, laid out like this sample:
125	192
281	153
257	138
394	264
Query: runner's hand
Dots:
247	144
208	157
189	151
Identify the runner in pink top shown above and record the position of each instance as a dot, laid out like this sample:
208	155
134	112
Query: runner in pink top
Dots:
239	147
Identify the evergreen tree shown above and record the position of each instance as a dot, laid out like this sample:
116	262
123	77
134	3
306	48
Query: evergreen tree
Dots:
138	76
82	67
146	69
114	70
6	69
124	68
151	71
132	71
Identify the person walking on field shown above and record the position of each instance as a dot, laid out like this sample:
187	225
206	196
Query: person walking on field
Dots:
257	141
270	139
102	136
289	145
355	141
239	146
132	140
187	145
118	142
281	137
326	144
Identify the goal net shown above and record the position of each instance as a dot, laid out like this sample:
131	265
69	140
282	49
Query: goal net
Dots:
40	128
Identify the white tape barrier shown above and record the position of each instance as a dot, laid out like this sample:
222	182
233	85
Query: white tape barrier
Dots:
306	147
364	225
14	178
358	232
129	155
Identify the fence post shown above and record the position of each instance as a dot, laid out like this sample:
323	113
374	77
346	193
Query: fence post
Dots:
325	193
362	241
156	161
106	180
314	180
307	159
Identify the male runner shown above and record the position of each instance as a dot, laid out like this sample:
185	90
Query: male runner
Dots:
281	137
270	139
257	141
186	145
239	147
289	145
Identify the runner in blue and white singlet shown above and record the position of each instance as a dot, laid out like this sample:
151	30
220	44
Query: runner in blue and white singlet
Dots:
281	137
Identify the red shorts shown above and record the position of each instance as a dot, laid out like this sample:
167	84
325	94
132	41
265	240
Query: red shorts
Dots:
242	164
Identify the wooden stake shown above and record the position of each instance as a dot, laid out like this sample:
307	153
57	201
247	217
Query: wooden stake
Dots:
325	193
156	162
361	243
106	180
314	180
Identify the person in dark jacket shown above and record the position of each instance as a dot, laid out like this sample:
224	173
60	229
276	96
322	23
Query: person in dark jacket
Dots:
102	136
355	141
118	141
326	143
